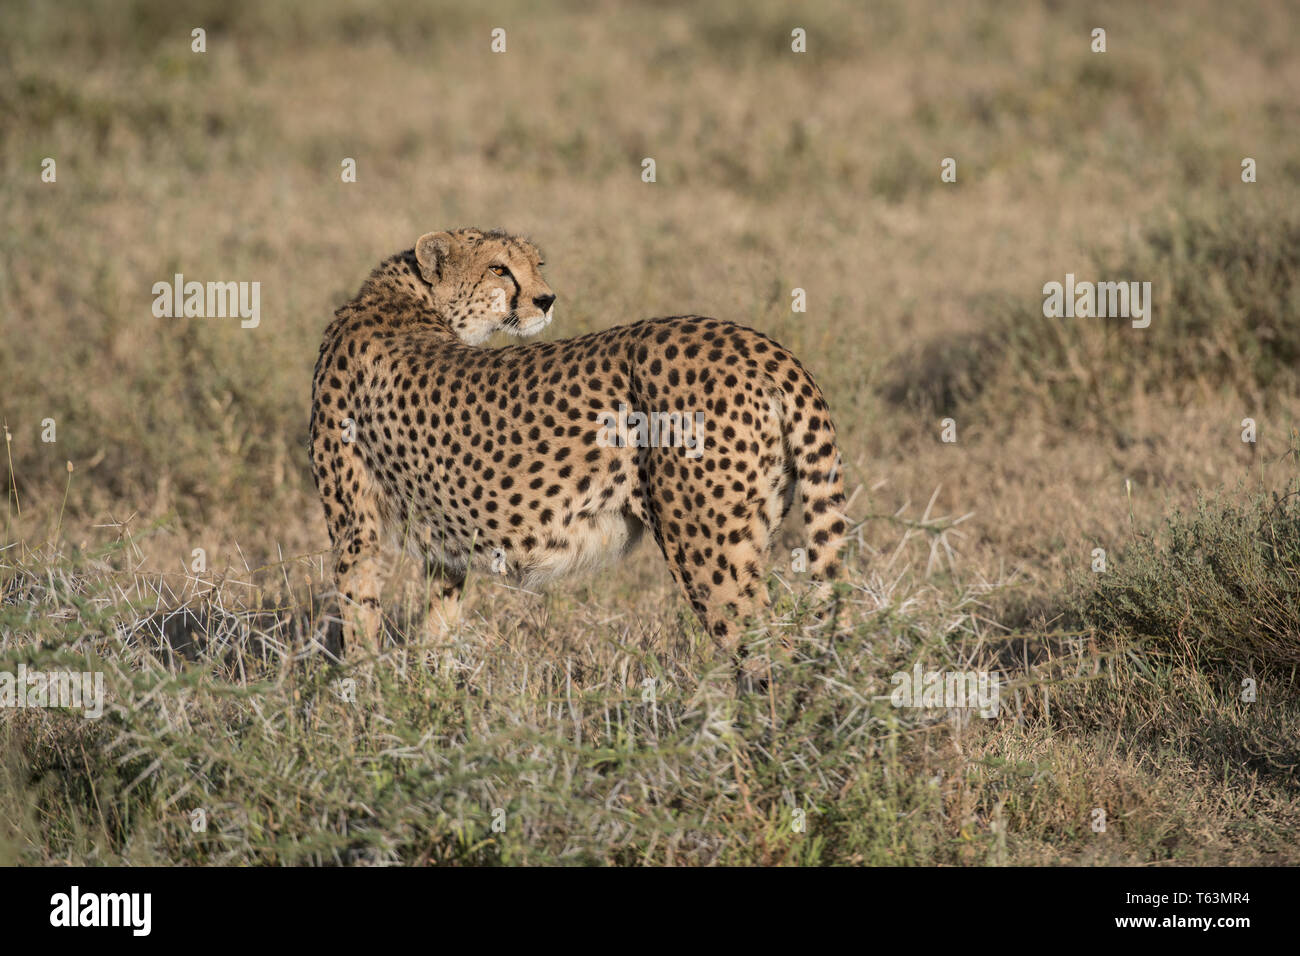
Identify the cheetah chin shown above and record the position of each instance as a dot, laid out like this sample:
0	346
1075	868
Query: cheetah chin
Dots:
524	328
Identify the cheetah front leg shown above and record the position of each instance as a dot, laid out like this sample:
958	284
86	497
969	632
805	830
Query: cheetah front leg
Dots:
442	604
353	516
360	580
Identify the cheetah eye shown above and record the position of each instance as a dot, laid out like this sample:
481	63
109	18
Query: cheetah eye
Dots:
499	270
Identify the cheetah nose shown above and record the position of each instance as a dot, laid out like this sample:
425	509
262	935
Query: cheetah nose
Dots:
543	302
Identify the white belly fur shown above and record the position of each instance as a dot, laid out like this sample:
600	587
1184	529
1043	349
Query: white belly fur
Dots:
593	544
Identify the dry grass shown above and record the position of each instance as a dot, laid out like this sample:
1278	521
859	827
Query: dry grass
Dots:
818	171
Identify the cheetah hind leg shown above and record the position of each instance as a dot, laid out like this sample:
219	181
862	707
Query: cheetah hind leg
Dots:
727	590
726	606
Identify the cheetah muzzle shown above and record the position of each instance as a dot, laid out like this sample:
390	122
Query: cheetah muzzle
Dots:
548	458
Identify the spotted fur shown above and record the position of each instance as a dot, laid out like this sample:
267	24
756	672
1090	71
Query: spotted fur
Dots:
500	459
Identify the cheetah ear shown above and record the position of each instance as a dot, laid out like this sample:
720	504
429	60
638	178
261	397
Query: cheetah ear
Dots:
431	251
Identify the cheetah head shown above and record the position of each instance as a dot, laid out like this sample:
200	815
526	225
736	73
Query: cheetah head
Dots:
484	282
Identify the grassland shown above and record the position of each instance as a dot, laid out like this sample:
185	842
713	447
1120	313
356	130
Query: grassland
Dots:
775	170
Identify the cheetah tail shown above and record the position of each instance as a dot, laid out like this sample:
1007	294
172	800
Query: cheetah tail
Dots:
814	457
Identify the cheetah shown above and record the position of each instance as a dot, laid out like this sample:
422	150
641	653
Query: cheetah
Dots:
536	459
